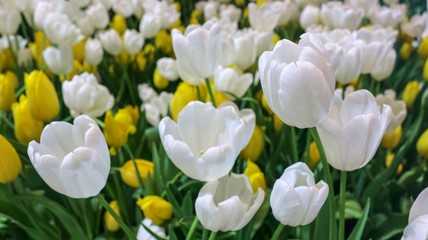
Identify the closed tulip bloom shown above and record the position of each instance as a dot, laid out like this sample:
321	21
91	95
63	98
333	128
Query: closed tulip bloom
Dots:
198	52
353	129
205	141
228	204
314	155
8	83
42	97
111	42
422	144
41	11
27	128
255	147
157	108
155	208
10	165
232	82
109	221
98	15
245	49
418	219
59	60
256	176
118	127
297	81
392	139
133	41
263	18
10	22
423	48
60	30
398	108
167	68
184	94
295	198
150	25
84	95
143	234
73	159
93	52
129	174
338	15
310	16
410	93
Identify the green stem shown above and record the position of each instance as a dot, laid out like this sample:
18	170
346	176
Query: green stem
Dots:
278	231
192	229
294	149
207	82
326	168
116	217
342	205
212	236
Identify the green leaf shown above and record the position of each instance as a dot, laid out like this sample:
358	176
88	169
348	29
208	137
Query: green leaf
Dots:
187	205
171	233
357	233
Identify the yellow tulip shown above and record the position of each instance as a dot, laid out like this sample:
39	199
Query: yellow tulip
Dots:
425	71
388	161
422	144
42	97
118	127
410	93
129	175
123	57
265	105
275	39
10	165
5	60
149	51
405	50
255	147
109	221
423	48
163	41
277	123
314	155
8	82
256	176
392	139
141	61
79	50
155	208
182	96
40	43
27	128
118	23
159	81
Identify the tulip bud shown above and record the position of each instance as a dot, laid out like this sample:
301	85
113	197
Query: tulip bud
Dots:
141	61
228	203
98	15
263	18
111	42
388	161
167	68
314	155
423	48
27	128
277	123
118	127
256	176
9	161
42	97
129	175
109	221
425	71
310	16
73	159
304	198
155	208
182	96
405	50
410	93
150	25
10	22
8	82
59	60
163	41
93	52
118	23
392	139
159	81
60	30
79	50
255	147
133	41
422	144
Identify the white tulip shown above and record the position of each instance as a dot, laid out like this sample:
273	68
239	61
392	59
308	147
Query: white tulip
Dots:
133	41
198	52
145	92
230	12
123	7
24	57
245	49
157	108
337	15
206	141
93	52
143	234
111	41
310	16
368	6
398	108
289	11
353	130
167	68
41	11
228	204
60	30
10	21
263	18
295	198
416	26
98	15
297	81
84	95
211	9
73	160
232	82
418	219
388	16
150	25
59	60
86	25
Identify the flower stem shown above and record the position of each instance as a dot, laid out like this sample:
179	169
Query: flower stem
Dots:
212	236
278	231
342	205
192	228
119	220
326	168
210	91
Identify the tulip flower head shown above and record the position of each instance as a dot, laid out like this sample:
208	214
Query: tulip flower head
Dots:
422	144
206	141
418	219
27	128
9	161
129	174
73	159
109	221
398	108
228	204
295	198
8	83
155	208
143	234
118	127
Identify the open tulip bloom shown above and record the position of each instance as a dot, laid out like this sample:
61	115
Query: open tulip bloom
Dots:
72	159
418	219
205	141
